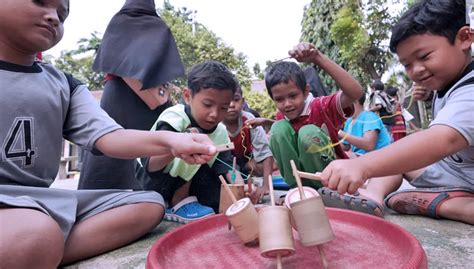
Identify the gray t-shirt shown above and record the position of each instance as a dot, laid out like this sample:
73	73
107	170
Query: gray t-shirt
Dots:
455	109
38	109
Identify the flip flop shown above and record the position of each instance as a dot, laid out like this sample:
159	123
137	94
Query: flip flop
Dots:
332	198
423	201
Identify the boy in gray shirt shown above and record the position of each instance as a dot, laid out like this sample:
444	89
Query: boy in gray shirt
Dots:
433	42
43	227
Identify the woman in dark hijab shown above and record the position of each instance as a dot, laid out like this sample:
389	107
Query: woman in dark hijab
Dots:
139	54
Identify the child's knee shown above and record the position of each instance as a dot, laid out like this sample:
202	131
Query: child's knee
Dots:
314	140
313	134
42	243
150	214
153	213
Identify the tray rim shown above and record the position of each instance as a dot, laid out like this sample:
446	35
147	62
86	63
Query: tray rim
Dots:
418	258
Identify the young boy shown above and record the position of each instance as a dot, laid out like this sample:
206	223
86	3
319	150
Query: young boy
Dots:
192	191
307	131
43	227
251	150
433	42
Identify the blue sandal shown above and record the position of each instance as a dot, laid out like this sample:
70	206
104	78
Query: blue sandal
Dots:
189	209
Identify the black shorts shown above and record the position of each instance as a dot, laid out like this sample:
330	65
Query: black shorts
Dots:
205	185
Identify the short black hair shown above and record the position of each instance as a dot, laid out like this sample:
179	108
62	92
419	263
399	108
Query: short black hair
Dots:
391	91
377	85
283	72
211	74
437	17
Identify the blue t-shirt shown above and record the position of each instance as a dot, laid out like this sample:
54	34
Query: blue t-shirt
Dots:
367	121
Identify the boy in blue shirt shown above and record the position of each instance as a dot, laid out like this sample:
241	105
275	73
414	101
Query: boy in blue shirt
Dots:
433	42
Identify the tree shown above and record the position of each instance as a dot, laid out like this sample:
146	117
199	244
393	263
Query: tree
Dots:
257	71
202	44
261	102
352	33
317	19
194	47
79	62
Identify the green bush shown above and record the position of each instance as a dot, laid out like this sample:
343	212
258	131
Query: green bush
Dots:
261	102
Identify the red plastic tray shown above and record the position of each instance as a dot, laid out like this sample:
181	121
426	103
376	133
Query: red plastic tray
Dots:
362	241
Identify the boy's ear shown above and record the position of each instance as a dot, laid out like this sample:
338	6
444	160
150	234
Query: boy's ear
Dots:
465	37
187	95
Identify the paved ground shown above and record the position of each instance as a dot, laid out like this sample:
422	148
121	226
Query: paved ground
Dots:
448	244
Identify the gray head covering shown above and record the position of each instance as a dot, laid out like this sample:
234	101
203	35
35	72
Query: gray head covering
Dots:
138	44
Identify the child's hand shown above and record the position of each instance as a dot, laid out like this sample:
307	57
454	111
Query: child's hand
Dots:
344	176
192	148
258	122
341	134
304	52
420	93
256	196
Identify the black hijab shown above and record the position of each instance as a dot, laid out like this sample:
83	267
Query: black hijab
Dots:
138	44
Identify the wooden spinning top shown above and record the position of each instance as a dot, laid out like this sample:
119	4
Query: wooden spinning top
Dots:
274	230
275	233
310	218
293	195
311	221
225	201
242	216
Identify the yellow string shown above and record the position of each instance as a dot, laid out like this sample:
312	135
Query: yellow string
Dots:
242	135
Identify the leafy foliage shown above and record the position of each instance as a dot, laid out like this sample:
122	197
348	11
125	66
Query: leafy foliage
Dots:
318	17
352	33
258	71
194	46
260	102
79	62
196	43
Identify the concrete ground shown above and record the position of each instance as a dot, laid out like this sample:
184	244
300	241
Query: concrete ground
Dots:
448	244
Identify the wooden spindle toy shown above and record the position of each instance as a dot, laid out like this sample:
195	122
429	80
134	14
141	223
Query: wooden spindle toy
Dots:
275	233
310	218
293	196
242	216
298	179
225	147
238	190
315	176
234	164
